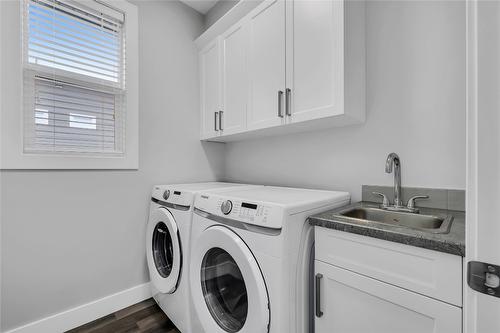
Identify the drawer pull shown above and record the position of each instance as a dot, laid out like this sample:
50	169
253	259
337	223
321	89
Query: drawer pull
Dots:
280	104
319	313
220	120
288	102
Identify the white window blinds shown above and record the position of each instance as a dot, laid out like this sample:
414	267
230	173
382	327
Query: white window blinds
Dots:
74	85
72	118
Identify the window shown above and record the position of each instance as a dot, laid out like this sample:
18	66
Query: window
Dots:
72	118
74	78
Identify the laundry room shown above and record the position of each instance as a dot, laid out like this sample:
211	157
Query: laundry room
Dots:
252	166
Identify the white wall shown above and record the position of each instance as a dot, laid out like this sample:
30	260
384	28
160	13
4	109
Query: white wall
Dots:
415	107
70	237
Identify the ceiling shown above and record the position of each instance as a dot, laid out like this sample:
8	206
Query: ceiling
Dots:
202	6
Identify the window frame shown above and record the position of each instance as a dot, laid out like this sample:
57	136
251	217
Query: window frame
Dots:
12	154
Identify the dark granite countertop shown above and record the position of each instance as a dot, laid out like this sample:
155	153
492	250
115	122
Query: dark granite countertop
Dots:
452	242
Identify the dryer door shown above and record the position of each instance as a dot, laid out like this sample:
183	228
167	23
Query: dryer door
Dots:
228	289
164	252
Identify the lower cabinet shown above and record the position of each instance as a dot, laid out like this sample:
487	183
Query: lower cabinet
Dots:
347	302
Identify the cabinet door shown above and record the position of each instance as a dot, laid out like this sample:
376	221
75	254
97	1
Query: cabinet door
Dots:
210	89
353	303
315	52
266	64
431	273
234	78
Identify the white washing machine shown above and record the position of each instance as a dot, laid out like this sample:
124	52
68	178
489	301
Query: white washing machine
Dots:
251	258
167	246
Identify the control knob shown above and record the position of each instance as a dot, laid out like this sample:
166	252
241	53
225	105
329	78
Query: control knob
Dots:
166	194
226	207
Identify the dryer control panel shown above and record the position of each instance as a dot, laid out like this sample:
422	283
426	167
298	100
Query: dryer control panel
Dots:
252	212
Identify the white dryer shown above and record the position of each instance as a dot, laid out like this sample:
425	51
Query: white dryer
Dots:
250	258
167	246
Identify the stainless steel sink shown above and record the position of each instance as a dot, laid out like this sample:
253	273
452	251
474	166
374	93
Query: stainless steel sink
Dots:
428	223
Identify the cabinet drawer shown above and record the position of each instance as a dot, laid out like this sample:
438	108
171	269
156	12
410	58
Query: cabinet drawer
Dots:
431	273
353	303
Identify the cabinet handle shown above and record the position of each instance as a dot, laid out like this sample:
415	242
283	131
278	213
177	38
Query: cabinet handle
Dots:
319	313
215	121
280	102
220	120
288	101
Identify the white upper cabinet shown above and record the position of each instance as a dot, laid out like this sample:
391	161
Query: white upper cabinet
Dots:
289	66
210	89
234	79
325	61
315	59
266	65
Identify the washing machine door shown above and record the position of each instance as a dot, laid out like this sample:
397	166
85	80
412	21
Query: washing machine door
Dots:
228	289
163	249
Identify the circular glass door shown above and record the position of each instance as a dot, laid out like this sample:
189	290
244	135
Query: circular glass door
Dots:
163	252
228	291
224	290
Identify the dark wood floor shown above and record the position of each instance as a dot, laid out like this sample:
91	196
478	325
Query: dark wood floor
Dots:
144	317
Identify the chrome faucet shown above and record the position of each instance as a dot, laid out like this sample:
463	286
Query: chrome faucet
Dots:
393	161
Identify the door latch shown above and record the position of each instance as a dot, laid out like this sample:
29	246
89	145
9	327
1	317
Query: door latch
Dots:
484	278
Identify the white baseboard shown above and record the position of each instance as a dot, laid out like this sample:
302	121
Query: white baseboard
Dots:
85	313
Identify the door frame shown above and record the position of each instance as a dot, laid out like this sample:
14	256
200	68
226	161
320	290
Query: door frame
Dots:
476	303
470	305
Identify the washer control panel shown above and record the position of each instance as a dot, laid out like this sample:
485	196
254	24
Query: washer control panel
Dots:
245	211
257	213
